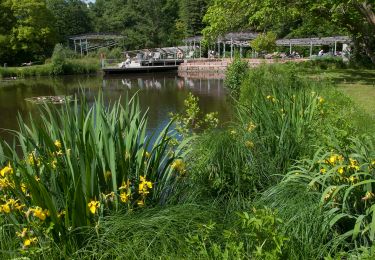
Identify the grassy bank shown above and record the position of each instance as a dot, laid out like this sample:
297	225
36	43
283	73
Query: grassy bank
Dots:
70	67
292	177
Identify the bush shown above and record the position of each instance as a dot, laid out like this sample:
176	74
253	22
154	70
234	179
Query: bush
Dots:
235	74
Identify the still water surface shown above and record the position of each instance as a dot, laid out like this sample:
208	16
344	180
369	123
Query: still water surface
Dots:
160	93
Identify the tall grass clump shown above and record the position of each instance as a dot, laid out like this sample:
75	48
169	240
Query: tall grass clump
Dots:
282	111
77	164
344	179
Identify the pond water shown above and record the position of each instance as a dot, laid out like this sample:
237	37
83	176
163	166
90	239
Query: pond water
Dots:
161	93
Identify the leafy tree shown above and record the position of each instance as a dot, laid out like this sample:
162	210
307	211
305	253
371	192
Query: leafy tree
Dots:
191	15
27	31
265	42
287	16
71	17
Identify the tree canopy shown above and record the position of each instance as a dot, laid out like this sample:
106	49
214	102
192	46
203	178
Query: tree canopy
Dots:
30	28
296	18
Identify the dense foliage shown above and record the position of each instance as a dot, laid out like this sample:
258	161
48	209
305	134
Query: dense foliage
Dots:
297	18
290	177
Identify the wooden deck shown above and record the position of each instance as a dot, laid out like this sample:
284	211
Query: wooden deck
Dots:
140	69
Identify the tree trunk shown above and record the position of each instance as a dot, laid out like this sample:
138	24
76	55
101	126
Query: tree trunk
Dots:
367	11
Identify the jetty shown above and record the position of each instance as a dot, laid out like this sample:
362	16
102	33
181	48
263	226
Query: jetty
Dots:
148	60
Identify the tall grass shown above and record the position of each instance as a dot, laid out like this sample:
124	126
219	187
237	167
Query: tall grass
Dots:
284	110
78	163
71	67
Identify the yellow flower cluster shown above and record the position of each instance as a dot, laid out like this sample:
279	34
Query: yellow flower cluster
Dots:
179	165
39	213
271	98
5	181
143	189
334	159
26	235
33	159
11	205
125	192
251	127
345	168
249	144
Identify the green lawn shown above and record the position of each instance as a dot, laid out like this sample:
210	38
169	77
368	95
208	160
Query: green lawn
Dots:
359	85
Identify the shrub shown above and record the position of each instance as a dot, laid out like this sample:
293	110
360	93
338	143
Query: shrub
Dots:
235	74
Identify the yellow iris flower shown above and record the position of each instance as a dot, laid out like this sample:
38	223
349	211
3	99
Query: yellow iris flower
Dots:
93	206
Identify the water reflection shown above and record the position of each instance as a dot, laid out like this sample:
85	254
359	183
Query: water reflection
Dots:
160	93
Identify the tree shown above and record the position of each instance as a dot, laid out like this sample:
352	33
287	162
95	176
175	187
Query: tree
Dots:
26	30
264	42
71	17
191	15
288	16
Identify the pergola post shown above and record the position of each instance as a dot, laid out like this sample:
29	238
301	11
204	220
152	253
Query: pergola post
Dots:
75	46
241	51
224	49
231	48
311	48
290	47
335	47
200	49
80	45
86	47
218	45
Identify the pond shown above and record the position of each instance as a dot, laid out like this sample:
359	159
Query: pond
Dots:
160	93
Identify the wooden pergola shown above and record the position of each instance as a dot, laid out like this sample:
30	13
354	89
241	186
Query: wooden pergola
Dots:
91	41
234	39
243	39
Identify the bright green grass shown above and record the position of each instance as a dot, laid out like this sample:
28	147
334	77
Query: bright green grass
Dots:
358	84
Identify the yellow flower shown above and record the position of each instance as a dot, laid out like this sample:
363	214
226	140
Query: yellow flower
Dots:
340	170
124	197
125	185
140	203
147	154
6	170
353	164
251	127
58	144
321	100
93	206
368	195
249	144
32	159
23	233
29	241
179	165
233	132
61	214
352	179
332	159
40	213
144	185
323	171
5	183
271	98
5	208
54	164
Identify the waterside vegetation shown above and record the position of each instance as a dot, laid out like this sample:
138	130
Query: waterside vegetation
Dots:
291	177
